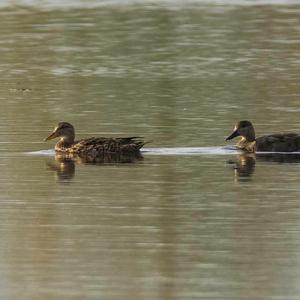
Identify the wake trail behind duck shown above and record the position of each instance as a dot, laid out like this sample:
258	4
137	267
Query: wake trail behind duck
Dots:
190	151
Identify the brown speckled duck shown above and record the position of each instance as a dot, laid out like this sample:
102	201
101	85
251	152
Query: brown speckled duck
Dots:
285	142
94	146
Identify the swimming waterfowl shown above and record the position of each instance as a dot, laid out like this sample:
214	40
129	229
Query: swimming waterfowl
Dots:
285	142
94	146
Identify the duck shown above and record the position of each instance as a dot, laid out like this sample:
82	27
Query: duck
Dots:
94	146
284	142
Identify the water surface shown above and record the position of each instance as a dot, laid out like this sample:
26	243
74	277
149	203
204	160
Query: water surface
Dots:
191	226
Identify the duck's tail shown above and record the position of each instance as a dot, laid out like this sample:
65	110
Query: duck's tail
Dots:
138	141
141	144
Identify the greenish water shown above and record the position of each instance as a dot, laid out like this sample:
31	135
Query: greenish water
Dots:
203	226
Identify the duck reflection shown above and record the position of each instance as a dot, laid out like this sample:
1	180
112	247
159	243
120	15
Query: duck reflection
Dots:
244	164
64	164
279	157
64	168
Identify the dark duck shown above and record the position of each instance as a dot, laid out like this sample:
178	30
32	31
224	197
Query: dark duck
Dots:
284	142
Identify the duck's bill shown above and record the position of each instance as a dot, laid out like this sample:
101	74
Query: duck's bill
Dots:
52	136
233	135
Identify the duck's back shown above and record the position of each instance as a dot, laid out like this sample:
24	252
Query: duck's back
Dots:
286	142
102	145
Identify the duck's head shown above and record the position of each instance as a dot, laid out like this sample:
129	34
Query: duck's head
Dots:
65	131
244	129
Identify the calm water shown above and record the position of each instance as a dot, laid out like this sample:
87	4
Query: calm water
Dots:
201	226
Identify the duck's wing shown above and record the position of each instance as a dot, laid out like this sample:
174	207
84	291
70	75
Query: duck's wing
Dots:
108	145
286	142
